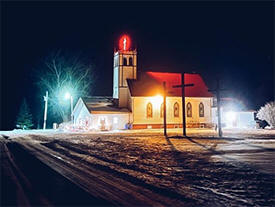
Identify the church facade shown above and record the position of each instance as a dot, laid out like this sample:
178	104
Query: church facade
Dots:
137	101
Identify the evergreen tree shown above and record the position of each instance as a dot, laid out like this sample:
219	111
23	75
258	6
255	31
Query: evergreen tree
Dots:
24	118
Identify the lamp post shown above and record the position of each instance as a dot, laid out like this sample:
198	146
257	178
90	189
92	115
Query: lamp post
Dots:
69	96
46	108
217	91
164	110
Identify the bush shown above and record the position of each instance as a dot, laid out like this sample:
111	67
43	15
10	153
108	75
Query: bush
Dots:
267	112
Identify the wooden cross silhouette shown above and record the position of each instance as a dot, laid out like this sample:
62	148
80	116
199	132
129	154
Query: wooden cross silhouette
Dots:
217	91
182	86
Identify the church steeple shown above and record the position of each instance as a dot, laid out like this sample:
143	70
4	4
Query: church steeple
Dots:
125	67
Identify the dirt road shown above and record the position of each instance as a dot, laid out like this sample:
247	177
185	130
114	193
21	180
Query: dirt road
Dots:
134	170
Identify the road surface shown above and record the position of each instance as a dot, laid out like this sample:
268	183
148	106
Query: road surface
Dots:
137	169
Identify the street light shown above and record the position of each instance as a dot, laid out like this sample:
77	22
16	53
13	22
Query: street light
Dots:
46	108
69	96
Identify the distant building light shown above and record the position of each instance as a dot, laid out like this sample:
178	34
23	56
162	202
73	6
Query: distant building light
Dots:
230	118
156	100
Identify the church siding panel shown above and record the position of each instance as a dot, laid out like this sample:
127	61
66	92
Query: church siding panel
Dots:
140	119
195	110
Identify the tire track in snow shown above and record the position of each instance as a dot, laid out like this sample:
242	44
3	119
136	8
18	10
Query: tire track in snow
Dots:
99	182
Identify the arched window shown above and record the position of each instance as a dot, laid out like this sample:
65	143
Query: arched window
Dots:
176	110
161	110
201	109
149	110
189	109
124	61
131	61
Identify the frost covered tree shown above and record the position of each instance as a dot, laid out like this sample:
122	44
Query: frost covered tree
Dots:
24	118
267	112
60	74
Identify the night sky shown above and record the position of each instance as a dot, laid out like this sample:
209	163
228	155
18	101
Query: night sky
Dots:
233	41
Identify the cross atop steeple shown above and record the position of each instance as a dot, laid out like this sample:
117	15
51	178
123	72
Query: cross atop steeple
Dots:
124	43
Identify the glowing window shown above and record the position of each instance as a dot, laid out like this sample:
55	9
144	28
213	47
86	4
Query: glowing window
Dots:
131	61
149	110
189	109
115	120
176	110
201	109
161	110
124	61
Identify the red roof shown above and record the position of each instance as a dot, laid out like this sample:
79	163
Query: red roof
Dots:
150	84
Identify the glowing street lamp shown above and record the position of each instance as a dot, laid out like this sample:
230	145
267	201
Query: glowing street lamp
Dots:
69	96
156	100
46	98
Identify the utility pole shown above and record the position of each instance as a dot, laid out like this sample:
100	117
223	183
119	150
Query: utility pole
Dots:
217	92
219	108
72	118
164	109
182	86
46	108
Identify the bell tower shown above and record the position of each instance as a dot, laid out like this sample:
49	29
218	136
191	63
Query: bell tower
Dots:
125	67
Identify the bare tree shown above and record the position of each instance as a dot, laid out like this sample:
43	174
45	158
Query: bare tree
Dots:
63	74
267	113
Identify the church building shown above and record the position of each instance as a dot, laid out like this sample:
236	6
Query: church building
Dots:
137	101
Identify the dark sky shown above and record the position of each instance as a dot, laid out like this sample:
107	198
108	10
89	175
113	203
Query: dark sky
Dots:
231	40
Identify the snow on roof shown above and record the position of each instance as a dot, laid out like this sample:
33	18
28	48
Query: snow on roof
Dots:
95	99
102	104
151	84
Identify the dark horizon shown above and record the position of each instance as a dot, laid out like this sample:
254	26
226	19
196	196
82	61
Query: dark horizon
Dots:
228	39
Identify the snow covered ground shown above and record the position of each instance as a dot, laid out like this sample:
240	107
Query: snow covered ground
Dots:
204	132
142	167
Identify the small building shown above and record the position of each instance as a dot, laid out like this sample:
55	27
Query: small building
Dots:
137	100
234	114
99	113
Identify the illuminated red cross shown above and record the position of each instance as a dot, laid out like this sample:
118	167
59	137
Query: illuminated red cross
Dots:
124	43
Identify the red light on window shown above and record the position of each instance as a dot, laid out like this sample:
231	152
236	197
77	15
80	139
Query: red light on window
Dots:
124	43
